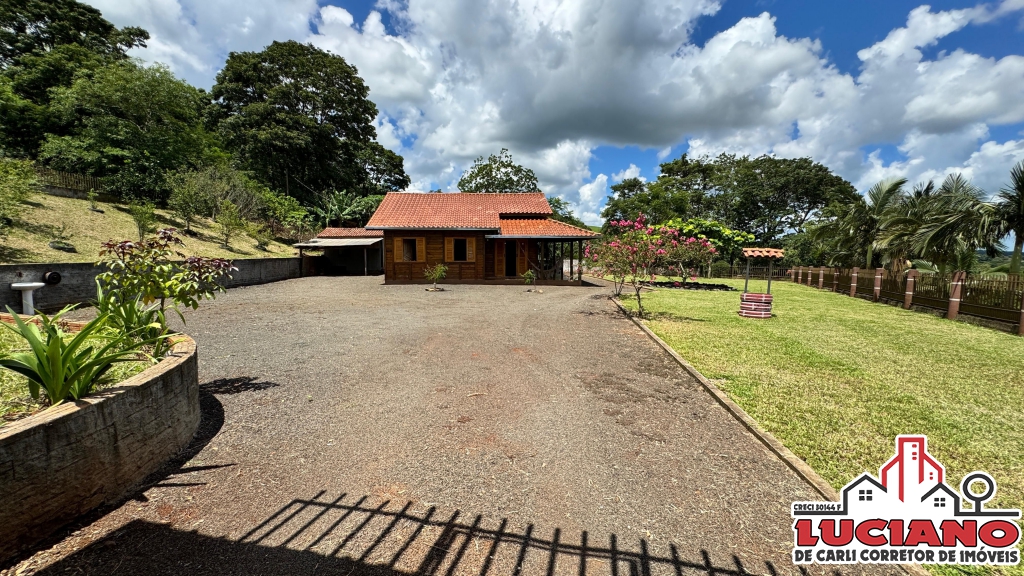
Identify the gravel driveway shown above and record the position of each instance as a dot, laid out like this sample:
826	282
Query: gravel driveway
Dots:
356	428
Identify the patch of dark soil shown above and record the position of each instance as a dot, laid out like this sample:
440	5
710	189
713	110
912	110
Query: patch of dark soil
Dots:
693	286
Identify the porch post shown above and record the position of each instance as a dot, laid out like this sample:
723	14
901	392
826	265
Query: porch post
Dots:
366	263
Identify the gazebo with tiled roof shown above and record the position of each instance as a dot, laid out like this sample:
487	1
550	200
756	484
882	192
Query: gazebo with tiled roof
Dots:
757	305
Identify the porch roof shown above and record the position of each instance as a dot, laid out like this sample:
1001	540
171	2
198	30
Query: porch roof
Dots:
542	228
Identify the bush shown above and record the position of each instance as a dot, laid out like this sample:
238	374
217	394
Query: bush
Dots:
721	269
436	273
17	180
262	235
230	221
144	216
145	270
191	195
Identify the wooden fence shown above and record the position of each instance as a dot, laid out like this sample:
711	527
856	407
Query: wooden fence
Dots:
1000	299
68	181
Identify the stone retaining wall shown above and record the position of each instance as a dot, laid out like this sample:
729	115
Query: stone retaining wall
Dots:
64	462
78	280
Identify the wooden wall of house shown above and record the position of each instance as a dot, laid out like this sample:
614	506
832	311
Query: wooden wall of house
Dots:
397	271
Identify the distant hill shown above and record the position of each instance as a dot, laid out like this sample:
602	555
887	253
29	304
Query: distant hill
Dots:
43	215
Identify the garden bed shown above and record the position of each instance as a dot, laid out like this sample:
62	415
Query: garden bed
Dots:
60	463
691	286
15	401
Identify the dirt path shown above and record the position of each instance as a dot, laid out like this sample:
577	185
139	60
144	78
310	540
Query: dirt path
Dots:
354	428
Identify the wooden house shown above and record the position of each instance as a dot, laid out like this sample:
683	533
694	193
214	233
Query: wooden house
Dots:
481	237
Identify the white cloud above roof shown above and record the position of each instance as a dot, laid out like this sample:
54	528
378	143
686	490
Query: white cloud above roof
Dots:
552	81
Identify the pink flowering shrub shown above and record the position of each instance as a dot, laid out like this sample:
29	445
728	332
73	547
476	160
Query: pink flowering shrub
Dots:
637	249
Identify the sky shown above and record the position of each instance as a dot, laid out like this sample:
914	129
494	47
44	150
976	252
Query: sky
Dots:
588	92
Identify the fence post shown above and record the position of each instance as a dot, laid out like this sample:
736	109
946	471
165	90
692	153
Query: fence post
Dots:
955	288
1020	327
878	283
810	274
908	296
853	282
821	277
800	275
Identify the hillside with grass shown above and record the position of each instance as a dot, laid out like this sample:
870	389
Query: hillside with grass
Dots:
45	219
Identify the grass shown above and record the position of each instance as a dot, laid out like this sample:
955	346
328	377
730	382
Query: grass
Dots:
15	401
42	214
837	378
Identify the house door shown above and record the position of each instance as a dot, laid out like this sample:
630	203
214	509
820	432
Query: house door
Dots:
511	257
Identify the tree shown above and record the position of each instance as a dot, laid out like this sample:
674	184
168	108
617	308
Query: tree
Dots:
498	174
129	123
299	119
144	216
725	240
563	213
944	226
193	194
17	179
856	227
1011	213
38	26
633	197
230	221
771	197
45	45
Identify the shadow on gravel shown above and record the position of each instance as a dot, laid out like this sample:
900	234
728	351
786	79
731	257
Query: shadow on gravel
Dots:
236	385
337	537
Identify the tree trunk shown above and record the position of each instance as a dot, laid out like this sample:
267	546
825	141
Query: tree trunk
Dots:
871	250
1018	243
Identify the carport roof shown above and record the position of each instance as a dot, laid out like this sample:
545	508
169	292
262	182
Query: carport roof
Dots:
338	242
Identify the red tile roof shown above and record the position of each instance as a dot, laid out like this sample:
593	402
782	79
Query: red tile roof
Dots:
350	233
763	253
457	210
541	228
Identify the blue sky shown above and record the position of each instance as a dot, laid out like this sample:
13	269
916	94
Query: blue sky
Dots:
588	91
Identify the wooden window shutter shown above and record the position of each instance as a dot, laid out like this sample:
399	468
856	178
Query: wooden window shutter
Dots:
449	249
398	255
421	249
470	249
499	258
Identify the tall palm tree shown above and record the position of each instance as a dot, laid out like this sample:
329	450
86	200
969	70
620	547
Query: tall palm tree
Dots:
856	231
1011	212
944	226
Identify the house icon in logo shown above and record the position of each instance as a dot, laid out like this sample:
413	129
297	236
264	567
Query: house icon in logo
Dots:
908	514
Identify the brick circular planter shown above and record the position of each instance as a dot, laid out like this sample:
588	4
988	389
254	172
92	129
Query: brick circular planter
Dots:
65	461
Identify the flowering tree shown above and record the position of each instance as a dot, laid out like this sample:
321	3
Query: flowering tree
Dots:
636	250
686	254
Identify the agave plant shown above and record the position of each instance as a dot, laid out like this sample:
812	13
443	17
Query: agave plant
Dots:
61	365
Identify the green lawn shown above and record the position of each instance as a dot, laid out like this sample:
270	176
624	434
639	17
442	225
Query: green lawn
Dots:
42	214
837	378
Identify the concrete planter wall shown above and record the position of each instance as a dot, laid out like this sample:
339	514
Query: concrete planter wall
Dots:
64	462
78	280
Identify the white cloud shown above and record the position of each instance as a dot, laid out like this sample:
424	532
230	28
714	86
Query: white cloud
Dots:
552	81
591	196
632	172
